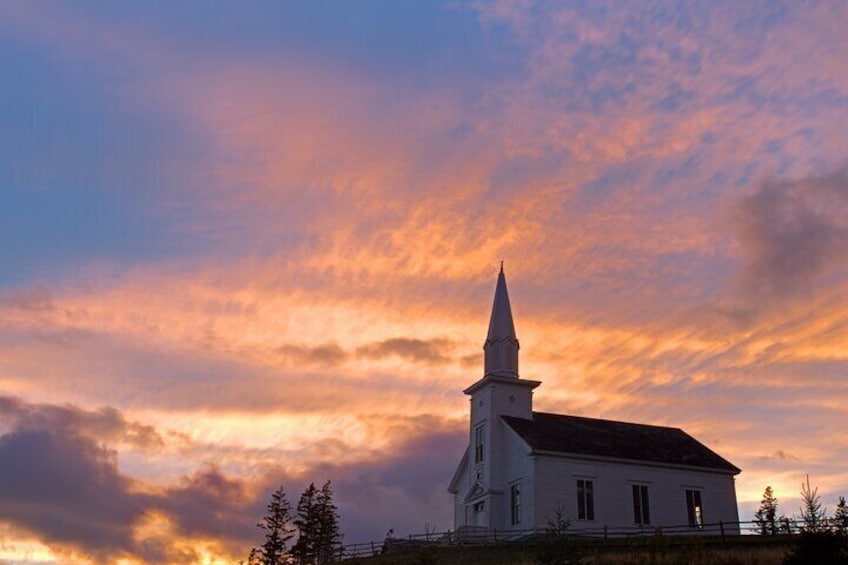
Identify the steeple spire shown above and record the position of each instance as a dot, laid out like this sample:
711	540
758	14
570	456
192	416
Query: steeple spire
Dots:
501	347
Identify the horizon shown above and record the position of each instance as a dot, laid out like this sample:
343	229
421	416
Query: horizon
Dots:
245	247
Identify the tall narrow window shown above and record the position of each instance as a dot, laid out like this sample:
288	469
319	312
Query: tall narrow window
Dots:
515	502
641	507
479	436
585	500
694	508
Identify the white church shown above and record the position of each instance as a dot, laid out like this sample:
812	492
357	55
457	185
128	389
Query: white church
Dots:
522	466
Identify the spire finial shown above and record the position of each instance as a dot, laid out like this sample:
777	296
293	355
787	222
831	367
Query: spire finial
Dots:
502	266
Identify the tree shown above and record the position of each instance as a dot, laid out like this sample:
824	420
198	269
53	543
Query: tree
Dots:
307	525
811	510
329	536
766	516
319	534
840	517
557	548
278	532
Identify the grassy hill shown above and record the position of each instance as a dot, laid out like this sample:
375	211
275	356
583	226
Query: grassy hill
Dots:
741	550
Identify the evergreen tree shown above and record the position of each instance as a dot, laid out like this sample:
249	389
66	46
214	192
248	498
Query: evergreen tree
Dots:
766	516
319	536
840	517
328	541
811	511
307	526
278	532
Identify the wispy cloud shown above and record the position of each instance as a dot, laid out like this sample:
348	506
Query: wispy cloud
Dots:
428	351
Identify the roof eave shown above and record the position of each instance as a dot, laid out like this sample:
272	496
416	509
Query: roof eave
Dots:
453	487
501	380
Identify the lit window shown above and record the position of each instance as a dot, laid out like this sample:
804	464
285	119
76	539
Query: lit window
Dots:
585	500
694	508
515	502
641	508
479	436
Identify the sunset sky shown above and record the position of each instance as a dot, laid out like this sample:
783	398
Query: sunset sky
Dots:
245	245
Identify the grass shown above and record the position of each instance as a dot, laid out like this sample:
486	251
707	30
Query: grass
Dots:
737	550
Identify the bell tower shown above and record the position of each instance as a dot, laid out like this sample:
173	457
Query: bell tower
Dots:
501	392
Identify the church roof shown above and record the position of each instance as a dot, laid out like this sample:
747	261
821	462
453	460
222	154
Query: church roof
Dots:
620	440
501	325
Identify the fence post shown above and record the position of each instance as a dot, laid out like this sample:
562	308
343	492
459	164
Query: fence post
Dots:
373	549
721	527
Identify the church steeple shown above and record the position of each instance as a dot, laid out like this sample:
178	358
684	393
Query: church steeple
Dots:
501	347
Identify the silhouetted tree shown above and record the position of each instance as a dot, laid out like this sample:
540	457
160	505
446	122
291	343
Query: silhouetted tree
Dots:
811	510
278	532
766	516
319	534
329	536
840	517
307	526
557	548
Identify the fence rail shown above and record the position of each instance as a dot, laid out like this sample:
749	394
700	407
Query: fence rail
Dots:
599	536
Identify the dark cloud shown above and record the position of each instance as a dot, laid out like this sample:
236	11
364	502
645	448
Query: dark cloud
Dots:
209	503
430	351
59	482
67	490
403	488
326	354
105	424
792	233
780	455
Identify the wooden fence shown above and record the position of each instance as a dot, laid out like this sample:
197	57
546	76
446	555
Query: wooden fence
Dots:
471	536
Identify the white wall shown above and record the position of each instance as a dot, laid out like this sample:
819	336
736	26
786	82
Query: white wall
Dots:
556	484
504	459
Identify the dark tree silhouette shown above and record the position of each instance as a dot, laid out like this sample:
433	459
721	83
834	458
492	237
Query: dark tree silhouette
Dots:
329	536
766	516
840	517
278	532
307	526
811	510
319	536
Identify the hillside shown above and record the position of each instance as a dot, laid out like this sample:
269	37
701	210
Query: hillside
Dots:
747	550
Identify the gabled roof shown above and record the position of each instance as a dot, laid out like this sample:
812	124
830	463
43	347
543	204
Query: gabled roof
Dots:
620	440
457	475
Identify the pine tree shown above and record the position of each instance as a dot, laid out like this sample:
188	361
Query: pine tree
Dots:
811	512
307	526
278	532
840	517
319	535
766	516
328	540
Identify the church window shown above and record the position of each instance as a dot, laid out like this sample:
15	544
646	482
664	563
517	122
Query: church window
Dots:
479	436
480	506
694	508
641	507
515	502
585	500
